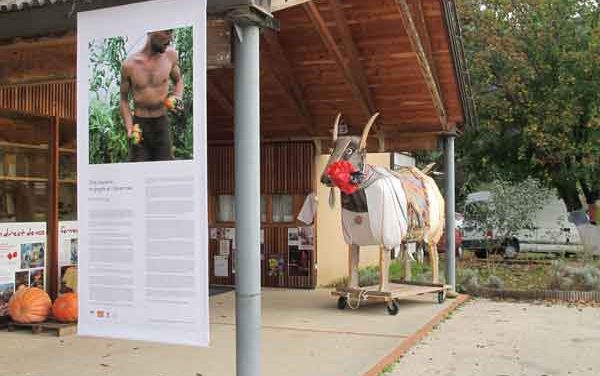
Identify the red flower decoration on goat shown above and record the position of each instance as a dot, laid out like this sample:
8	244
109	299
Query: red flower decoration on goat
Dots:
340	174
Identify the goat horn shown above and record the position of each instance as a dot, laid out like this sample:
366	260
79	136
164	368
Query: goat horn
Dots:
365	134
336	126
428	168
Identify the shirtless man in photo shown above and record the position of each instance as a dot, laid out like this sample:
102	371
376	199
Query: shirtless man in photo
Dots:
146	75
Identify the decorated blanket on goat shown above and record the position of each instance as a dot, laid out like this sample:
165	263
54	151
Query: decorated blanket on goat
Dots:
417	201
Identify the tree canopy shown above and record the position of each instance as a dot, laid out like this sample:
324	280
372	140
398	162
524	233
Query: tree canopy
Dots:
535	72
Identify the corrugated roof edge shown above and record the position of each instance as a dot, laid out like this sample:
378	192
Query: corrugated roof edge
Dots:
19	5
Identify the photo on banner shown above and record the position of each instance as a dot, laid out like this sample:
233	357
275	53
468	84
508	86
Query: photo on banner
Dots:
32	255
142	255
6	291
141	97
21	279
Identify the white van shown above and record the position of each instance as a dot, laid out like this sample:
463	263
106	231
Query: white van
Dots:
551	233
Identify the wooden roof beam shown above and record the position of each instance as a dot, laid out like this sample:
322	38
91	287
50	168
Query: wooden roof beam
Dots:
425	37
22	44
282	70
425	57
353	70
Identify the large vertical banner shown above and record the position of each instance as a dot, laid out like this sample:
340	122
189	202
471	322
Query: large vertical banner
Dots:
143	236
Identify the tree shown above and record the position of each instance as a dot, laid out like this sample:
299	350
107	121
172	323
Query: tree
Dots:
535	69
512	208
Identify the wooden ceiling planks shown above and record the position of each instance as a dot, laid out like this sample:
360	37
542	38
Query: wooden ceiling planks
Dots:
387	59
311	70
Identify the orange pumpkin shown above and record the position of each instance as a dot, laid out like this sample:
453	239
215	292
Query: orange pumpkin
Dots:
29	305
65	307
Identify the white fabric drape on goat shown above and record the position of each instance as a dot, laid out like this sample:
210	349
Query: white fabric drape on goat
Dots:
386	222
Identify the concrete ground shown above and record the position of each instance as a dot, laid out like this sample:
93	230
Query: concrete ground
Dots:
303	334
491	338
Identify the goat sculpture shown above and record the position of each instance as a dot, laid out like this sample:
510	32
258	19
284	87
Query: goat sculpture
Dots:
382	207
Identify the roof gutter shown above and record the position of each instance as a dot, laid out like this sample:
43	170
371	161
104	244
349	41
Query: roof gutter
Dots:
460	64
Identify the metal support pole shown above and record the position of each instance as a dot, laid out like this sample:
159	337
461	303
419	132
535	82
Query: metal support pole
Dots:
450	208
247	200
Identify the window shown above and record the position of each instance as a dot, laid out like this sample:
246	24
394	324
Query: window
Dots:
282	208
225	208
263	208
24	168
67	171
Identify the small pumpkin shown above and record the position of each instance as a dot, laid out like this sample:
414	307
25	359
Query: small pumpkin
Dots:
64	308
29	305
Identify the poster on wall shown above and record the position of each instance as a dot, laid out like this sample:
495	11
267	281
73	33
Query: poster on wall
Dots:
300	252
68	232
68	257
143	239
306	237
22	258
293	236
221	266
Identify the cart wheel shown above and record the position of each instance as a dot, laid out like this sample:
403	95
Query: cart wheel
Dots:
342	302
441	297
393	308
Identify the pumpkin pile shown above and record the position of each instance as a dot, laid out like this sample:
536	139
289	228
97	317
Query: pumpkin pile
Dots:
31	305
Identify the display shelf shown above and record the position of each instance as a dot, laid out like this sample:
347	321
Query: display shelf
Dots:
23	179
16	145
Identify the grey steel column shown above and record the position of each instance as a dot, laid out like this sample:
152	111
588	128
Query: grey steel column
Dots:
247	200
450	208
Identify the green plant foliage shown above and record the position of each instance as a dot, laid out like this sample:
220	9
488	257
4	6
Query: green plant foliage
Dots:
467	280
495	282
581	278
512	209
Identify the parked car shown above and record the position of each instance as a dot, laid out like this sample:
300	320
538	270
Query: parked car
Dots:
551	233
458	237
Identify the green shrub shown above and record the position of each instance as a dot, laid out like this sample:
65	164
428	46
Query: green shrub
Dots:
495	282
368	276
583	278
467	280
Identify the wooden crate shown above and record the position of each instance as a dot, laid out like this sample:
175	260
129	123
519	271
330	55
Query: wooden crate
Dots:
58	328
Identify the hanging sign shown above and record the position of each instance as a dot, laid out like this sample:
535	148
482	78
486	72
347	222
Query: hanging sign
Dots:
143	239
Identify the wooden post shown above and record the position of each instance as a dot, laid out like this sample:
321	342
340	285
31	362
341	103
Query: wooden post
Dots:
52	220
353	261
407	265
434	260
384	268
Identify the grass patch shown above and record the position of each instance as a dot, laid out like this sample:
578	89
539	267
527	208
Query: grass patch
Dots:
369	275
531	272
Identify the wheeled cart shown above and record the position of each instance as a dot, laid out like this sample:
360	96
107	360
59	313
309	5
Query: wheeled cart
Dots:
352	297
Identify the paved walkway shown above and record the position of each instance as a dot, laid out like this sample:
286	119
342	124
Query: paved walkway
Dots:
303	334
509	339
